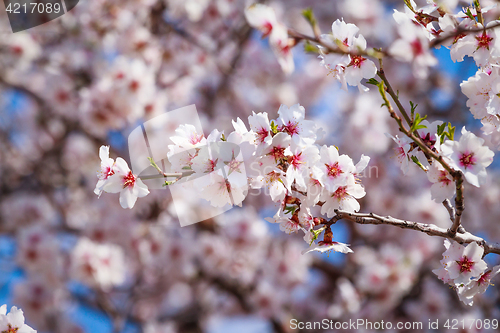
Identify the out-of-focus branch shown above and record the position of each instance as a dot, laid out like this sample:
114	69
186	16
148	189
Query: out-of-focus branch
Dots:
429	229
243	34
241	294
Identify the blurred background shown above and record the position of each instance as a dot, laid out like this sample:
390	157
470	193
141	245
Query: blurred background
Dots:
78	263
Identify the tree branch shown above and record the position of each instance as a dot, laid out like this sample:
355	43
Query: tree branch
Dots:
456	174
458	32
429	229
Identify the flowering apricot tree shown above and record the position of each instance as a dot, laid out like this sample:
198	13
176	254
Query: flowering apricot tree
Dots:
331	178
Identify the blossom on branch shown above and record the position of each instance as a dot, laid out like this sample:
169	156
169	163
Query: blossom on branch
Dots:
463	262
443	184
347	68
470	156
328	245
413	46
123	181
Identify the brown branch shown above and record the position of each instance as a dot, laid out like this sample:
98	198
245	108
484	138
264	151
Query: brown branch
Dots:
340	49
429	229
456	174
458	32
394	96
450	209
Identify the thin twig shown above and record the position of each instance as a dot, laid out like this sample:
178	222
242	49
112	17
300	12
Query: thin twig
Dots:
394	96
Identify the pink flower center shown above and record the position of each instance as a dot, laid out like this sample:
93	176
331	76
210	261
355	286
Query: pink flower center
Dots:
416	47
262	134
296	160
357	61
134	86
211	165
467	159
11	329
443	177
290	128
108	171
333	170
17	50
62	96
277	152
484	41
427	140
194	138
284	49
129	180
267	28
234	165
225	185
459	36
340	193
465	264
315	182
273	176
484	279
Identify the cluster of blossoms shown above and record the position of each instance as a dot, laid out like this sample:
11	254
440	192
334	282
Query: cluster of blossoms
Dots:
418	27
468	155
124	94
13	321
465	270
278	155
348	69
122	60
281	155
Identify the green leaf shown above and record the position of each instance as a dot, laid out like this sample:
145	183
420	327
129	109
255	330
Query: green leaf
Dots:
290	209
413	107
451	131
469	14
381	90
372	81
440	129
416	123
309	16
417	162
316	234
310	48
